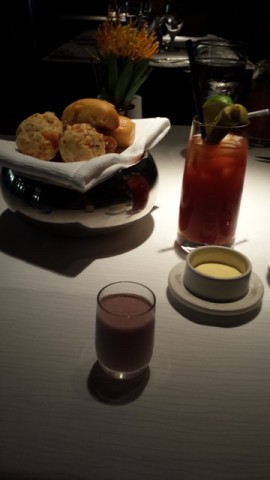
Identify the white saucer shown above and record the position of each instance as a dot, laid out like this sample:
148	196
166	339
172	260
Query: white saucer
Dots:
245	304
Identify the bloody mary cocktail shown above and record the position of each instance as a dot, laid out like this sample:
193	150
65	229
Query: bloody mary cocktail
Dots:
211	190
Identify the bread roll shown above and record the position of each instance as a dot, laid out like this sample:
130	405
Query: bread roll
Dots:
110	144
96	112
39	135
81	142
125	133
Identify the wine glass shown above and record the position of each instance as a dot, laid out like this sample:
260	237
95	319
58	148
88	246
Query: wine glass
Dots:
173	21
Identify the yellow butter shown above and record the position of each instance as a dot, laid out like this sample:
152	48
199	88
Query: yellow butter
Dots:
220	270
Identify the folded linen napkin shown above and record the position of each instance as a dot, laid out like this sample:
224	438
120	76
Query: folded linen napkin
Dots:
84	175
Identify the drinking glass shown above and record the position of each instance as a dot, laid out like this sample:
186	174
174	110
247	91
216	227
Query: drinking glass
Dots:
258	99
212	187
221	67
125	322
173	21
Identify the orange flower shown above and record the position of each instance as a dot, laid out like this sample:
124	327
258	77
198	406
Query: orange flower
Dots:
125	53
126	41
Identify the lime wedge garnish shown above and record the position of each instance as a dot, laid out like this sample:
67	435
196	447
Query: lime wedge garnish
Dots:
230	116
213	106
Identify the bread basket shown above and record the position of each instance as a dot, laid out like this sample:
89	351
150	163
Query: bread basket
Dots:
120	200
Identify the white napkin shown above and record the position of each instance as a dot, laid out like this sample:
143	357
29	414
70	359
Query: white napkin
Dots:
84	175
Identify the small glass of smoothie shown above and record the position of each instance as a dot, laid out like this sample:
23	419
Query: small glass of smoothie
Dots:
125	324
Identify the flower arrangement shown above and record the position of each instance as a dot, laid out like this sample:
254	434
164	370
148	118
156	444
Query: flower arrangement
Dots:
125	51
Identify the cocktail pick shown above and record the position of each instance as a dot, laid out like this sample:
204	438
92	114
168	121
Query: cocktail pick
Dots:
259	113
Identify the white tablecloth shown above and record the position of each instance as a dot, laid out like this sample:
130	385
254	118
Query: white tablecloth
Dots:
204	412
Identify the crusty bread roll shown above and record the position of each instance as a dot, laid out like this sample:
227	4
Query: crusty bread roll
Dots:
80	141
38	135
125	133
96	112
110	144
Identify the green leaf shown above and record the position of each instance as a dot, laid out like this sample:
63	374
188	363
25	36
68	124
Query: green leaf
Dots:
113	72
132	76
125	78
135	87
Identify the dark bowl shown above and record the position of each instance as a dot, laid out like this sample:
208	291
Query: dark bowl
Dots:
124	198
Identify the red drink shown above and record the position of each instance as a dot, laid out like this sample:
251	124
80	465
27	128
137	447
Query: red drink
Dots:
211	191
124	332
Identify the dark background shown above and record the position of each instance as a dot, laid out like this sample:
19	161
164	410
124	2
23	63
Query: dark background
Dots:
30	29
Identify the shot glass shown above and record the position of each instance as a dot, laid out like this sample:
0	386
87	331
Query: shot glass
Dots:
212	186
125	324
221	67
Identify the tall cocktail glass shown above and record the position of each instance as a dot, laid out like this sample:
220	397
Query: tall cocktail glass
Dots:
212	187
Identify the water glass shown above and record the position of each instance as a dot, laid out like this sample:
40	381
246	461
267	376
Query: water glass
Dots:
212	187
125	323
221	67
259	99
